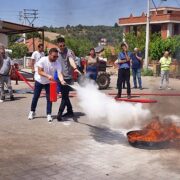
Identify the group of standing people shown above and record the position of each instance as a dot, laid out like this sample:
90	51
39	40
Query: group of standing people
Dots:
62	61
125	61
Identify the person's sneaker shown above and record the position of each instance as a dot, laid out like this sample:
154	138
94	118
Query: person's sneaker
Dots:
2	99
31	115
129	96
169	88
160	88
68	114
117	96
140	88
59	117
49	118
12	98
135	87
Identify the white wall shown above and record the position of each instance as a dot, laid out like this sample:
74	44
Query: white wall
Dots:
4	39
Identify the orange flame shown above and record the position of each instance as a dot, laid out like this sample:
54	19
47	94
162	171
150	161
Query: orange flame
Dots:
156	131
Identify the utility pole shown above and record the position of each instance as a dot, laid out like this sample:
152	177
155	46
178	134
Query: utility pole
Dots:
28	15
147	35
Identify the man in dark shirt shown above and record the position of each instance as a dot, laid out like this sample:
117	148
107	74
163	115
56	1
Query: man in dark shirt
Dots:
67	61
136	58
124	70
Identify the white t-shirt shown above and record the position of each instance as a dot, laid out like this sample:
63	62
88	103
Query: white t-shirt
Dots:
49	68
36	55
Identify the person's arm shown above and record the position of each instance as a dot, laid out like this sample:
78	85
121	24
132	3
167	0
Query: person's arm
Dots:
123	58
138	57
11	66
60	74
73	65
42	73
61	78
159	62
32	65
33	60
85	66
127	57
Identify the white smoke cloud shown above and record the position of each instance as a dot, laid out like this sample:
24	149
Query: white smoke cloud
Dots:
104	110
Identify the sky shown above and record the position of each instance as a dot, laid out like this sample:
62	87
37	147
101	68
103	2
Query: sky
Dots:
58	13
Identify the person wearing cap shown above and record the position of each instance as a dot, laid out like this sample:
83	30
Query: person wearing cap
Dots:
165	63
123	63
136	60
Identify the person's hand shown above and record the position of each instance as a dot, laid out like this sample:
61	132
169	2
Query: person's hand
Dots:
63	82
50	78
76	70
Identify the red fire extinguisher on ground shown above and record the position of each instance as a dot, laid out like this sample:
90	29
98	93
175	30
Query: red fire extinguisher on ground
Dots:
53	91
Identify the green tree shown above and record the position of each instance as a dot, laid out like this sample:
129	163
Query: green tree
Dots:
18	50
136	40
107	53
80	47
159	45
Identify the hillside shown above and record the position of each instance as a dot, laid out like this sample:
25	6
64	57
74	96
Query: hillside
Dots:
92	33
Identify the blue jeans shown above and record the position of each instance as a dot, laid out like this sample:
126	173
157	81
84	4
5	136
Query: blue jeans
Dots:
91	72
37	91
137	74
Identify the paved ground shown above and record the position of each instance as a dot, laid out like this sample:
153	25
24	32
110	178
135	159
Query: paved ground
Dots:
35	150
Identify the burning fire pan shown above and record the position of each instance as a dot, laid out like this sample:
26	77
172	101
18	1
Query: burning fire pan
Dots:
156	135
146	144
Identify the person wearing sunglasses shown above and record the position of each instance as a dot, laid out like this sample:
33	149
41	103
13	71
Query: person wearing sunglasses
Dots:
67	61
46	67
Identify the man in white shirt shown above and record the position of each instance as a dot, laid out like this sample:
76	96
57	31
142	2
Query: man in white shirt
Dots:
36	56
46	68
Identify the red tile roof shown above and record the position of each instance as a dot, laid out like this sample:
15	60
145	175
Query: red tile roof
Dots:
37	41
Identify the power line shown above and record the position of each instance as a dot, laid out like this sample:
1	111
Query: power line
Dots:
28	15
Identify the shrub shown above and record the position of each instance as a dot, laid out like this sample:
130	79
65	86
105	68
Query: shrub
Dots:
147	72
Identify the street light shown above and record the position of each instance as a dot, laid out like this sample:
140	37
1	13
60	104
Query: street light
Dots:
147	35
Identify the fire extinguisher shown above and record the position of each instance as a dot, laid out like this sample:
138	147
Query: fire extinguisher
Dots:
53	91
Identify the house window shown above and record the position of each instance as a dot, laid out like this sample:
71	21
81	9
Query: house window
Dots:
169	12
176	29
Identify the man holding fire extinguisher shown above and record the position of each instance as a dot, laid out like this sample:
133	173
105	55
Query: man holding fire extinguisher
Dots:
67	61
46	68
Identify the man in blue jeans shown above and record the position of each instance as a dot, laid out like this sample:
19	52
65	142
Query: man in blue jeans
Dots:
46	68
136	58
